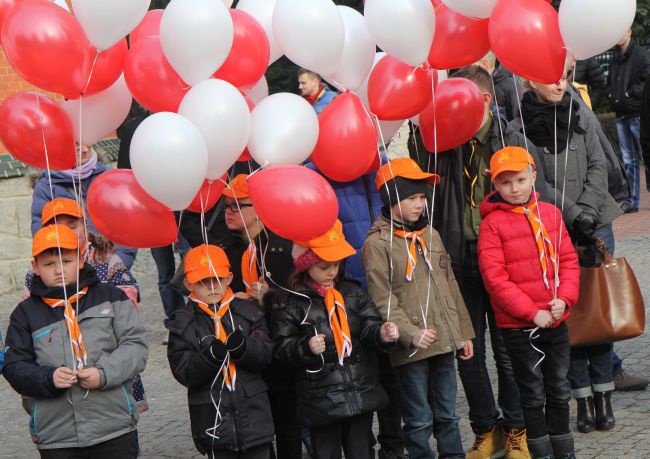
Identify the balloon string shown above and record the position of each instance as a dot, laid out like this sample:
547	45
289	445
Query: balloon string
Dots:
496	103
90	74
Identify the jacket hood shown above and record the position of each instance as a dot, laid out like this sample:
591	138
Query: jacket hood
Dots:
501	74
494	202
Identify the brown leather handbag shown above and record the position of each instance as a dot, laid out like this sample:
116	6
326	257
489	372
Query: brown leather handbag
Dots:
610	307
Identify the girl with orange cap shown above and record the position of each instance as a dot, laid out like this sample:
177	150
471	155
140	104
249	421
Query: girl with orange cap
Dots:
329	330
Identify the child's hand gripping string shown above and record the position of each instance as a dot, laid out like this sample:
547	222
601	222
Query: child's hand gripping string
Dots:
389	332
424	338
89	378
64	378
543	318
558	307
317	344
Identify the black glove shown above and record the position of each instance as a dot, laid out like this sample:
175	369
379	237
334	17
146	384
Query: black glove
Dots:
585	225
214	349
236	344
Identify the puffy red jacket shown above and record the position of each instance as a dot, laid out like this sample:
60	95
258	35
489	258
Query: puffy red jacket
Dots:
509	263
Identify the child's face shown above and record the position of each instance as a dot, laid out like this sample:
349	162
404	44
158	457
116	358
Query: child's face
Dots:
210	290
55	271
324	273
515	187
76	225
409	210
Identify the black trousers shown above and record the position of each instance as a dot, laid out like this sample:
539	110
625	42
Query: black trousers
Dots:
351	435
125	446
259	452
544	384
288	440
391	435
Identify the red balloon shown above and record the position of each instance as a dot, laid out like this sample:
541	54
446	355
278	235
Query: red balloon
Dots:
26	118
124	213
294	202
245	156
357	133
458	41
459	112
208	195
397	91
250	52
5	6
151	79
107	69
47	47
525	36
148	27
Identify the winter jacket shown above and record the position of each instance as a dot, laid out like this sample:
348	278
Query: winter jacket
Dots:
506	92
590	72
586	175
63	188
404	302
627	74
275	250
618	186
645	127
509	262
327	391
246	419
450	196
324	100
38	343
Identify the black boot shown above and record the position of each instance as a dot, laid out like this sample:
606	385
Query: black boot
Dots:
604	414
563	447
586	420
540	448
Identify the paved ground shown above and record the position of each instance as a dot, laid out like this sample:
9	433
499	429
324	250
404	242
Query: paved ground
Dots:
164	429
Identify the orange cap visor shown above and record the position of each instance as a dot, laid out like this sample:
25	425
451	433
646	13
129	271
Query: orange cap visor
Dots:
331	246
60	206
405	168
52	237
204	262
238	187
510	159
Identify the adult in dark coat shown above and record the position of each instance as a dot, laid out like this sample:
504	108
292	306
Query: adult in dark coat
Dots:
645	133
590	72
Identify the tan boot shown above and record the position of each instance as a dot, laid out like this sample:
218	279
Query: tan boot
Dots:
516	445
486	444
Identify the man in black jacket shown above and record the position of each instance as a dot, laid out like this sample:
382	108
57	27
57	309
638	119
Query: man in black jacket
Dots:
590	72
507	87
627	74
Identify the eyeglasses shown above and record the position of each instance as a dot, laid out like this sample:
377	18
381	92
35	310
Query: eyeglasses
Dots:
234	207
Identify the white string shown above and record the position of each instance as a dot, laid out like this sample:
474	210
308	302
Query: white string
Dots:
531	336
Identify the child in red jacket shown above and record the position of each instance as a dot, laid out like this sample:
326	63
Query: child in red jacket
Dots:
531	272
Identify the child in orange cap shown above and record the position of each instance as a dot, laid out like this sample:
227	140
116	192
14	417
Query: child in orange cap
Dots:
218	347
410	279
329	331
531	272
73	348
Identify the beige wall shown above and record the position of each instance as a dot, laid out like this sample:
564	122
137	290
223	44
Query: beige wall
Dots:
15	233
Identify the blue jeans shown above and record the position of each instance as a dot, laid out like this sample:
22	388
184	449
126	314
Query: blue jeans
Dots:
166	266
628	131
592	365
429	407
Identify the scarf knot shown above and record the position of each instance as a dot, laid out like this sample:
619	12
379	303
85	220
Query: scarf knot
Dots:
415	238
70	315
249	271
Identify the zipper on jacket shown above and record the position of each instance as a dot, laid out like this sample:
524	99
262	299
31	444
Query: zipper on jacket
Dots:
347	377
366	188
34	429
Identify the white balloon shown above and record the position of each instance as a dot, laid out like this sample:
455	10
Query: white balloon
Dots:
284	130
590	27
259	91
228	3
105	22
262	10
310	33
196	37
362	91
358	52
472	8
101	113
388	130
169	159
221	113
403	28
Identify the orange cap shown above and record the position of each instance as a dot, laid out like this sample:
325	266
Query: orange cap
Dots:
60	206
510	159
206	261
331	246
238	187
405	168
53	236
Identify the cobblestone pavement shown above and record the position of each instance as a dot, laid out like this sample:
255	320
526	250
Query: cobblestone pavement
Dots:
164	430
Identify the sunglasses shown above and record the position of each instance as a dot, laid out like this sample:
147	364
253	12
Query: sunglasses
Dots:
235	208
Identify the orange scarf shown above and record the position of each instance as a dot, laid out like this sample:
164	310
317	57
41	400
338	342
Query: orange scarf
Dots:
415	238
73	326
249	271
228	371
338	323
542	239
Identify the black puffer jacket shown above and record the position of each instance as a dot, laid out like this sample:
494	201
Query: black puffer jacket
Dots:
627	74
246	412
590	72
335	392
505	90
